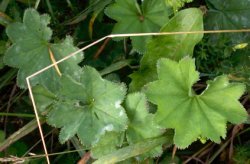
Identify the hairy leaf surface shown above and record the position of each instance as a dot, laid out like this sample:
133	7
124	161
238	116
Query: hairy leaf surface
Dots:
170	46
134	18
30	51
88	107
141	125
191	115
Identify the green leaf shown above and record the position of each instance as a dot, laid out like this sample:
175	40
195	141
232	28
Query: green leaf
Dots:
191	115
43	97
88	107
108	143
228	14
134	150
141	125
171	46
134	18
30	51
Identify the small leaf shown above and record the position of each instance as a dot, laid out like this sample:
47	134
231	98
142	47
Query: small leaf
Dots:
191	115
88	107
170	46
141	125
107	144
30	51
132	18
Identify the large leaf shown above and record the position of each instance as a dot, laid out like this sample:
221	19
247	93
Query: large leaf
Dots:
172	46
88	107
228	14
192	115
30	51
141	125
134	18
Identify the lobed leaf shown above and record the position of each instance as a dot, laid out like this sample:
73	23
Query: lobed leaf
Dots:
228	15
30	51
224	15
191	115
134	18
89	107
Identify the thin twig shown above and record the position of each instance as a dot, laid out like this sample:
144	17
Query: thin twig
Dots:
52	58
197	153
84	159
173	153
219	151
32	147
235	130
38	121
135	35
99	51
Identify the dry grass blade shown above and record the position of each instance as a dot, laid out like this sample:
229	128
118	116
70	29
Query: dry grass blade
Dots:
51	55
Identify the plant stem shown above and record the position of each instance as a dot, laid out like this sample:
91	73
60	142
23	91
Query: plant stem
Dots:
17	115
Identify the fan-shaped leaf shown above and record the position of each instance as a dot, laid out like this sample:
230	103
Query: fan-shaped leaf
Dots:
191	115
30	51
134	18
228	15
88	107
